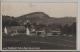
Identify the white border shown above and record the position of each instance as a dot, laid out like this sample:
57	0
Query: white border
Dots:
78	25
0	28
39	1
77	43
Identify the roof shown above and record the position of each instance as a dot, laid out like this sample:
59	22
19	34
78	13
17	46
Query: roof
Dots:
16	27
55	31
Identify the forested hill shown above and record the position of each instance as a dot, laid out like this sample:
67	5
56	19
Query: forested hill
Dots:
43	18
37	17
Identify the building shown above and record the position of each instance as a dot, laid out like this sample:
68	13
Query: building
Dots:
31	30
15	29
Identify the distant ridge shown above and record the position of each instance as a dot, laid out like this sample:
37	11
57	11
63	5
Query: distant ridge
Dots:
42	18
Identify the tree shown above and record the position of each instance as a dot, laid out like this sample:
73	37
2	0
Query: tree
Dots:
66	29
73	28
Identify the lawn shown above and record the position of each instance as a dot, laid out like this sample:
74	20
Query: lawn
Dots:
52	43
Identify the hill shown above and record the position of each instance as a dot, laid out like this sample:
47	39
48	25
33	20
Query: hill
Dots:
40	17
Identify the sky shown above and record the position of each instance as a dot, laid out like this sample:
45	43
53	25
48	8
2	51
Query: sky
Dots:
58	9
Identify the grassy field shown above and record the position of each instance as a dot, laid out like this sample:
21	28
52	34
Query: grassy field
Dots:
51	43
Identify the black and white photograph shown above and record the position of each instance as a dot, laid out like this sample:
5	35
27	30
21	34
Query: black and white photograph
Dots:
38	26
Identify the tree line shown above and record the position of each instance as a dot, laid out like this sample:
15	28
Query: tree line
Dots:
66	29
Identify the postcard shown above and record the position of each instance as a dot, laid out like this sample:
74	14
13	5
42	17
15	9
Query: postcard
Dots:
38	25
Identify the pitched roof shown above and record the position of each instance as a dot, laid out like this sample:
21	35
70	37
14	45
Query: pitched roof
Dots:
16	27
